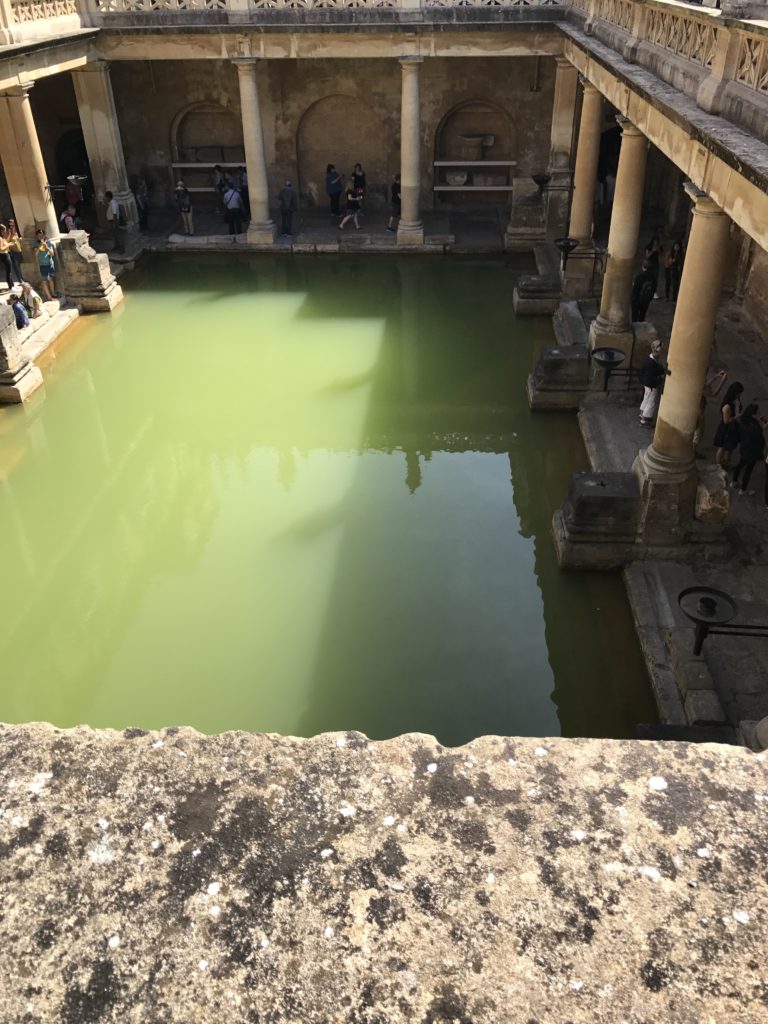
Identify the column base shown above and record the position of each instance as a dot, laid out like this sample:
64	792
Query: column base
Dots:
667	497
602	333
410	234
261	233
16	387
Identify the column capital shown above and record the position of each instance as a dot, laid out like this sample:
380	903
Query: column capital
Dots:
98	66
19	91
245	63
410	62
627	127
588	86
703	204
564	63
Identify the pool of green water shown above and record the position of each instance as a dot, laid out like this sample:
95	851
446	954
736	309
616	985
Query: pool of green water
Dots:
301	494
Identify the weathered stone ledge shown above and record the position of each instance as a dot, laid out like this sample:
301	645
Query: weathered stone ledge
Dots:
173	877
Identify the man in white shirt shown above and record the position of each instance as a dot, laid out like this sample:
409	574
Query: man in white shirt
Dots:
113	219
233	204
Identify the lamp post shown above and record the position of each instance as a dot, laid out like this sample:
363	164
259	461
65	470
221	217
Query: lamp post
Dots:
608	359
711	611
566	246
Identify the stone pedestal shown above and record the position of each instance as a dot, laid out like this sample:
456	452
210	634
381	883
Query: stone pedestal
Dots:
88	281
19	376
526	217
560	378
410	230
597	524
667	497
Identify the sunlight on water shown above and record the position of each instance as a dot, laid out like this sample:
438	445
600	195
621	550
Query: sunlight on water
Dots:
295	495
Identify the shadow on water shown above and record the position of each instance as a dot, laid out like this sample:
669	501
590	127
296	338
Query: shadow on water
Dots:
443	610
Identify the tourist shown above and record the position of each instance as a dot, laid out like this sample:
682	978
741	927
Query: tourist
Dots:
352	207
751	447
5	255
233	206
288	203
32	301
652	375
14	249
358	181
711	389
22	320
673	269
333	187
68	220
394	213
643	290
727	434
141	195
242	186
113	219
652	256
44	252
184	204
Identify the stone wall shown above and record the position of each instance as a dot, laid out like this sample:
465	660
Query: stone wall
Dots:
172	877
320	111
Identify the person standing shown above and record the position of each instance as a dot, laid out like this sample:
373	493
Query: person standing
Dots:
233	204
352	207
242	184
726	437
288	203
673	269
14	249
184	204
333	187
394	210
643	289
73	193
5	255
141	196
751	447
652	375
712	388
44	251
113	219
68	220
358	180
652	256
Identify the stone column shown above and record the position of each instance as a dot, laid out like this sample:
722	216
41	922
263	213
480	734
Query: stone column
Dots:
577	282
666	470
410	230
612	326
23	165
261	230
101	132
561	142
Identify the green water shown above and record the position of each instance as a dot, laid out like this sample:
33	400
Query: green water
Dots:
303	494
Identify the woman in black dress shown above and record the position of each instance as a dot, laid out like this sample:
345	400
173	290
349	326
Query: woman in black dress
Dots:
751	447
358	180
352	207
727	434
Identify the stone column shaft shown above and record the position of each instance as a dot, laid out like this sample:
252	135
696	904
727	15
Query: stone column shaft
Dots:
23	165
101	132
561	142
693	329
261	230
410	230
613	320
585	173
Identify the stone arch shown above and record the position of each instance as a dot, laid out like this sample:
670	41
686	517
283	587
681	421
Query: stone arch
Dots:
207	133
476	129
343	130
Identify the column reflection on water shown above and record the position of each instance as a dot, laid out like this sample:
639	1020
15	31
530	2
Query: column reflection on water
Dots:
282	501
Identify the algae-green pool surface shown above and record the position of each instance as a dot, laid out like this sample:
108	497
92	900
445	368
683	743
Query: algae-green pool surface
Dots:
303	494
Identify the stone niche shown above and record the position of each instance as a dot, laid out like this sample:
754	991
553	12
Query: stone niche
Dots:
19	376
89	282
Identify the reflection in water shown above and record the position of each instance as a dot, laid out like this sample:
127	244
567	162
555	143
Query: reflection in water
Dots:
206	523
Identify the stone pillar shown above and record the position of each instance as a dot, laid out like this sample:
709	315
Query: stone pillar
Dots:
577	281
19	377
561	142
101	132
23	165
410	230
666	470
612	326
261	230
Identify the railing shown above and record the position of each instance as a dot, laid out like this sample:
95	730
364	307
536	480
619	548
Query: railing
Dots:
683	35
752	63
40	10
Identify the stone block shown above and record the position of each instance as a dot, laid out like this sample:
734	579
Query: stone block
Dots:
602	506
712	495
702	707
88	280
560	378
19	377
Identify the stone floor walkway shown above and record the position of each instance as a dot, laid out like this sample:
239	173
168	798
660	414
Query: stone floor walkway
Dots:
735	667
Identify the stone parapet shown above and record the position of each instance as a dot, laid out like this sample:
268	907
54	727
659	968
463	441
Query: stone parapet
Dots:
88	280
19	376
177	877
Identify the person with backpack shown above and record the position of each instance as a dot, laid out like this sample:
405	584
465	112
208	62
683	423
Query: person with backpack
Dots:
233	206
643	290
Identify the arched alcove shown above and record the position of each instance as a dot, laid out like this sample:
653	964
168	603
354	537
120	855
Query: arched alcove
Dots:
330	133
207	133
475	130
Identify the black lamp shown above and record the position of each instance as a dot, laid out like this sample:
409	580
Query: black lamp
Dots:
608	359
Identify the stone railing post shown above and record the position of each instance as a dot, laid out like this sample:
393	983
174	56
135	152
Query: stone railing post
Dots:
638	32
6	22
723	69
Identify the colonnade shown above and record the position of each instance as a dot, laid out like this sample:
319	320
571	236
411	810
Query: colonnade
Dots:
666	469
